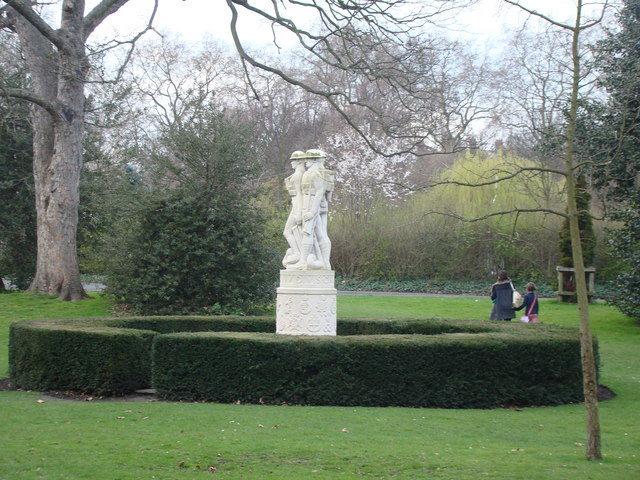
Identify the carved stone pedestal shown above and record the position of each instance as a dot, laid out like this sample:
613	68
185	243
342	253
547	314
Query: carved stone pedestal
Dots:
306	303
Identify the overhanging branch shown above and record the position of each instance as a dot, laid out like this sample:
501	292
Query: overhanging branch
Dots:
25	10
535	13
328	95
100	12
500	179
32	97
516	211
366	39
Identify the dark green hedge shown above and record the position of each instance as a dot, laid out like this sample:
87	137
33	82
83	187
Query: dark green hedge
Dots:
448	371
79	355
426	363
104	356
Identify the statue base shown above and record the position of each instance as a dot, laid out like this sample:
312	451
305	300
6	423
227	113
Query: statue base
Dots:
306	303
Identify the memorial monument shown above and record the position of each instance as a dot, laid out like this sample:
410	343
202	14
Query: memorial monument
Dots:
306	298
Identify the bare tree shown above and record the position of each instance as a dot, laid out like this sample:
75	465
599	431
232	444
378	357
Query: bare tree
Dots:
570	170
456	89
537	86
373	43
178	81
286	119
590	381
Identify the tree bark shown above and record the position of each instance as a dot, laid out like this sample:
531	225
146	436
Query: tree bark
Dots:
590	381
58	81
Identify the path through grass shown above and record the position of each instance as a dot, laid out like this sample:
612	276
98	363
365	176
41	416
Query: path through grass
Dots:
56	439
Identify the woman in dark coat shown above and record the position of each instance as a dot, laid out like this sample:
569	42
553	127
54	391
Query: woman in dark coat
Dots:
502	298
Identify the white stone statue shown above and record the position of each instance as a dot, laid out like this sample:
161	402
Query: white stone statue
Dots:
293	227
306	298
317	187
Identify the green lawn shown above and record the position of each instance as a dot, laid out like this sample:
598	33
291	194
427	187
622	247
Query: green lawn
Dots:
58	439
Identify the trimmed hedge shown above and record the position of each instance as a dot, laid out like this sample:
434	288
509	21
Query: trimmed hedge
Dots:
84	355
423	363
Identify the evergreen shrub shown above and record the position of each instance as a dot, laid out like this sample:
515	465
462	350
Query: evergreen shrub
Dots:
424	363
195	254
79	355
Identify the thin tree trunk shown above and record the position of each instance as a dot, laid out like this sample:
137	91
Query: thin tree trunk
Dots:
590	381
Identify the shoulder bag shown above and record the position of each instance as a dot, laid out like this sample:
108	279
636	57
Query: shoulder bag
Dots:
525	318
517	299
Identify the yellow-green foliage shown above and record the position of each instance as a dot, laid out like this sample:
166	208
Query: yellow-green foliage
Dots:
528	190
407	241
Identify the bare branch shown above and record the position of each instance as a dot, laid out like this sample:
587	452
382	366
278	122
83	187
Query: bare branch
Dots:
132	45
330	96
516	211
24	8
500	179
372	45
100	12
598	20
535	13
32	97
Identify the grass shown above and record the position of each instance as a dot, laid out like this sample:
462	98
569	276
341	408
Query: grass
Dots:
22	306
59	439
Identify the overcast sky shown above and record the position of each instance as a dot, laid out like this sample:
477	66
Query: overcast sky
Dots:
196	19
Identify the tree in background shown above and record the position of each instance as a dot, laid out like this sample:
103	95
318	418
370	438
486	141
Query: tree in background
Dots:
610	146
585	223
574	31
364	176
196	243
517	212
401	240
537	85
18	215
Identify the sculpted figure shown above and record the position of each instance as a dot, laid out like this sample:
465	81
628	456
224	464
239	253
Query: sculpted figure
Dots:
293	227
317	187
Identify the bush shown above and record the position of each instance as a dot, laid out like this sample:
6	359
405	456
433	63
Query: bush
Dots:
194	239
400	240
195	254
445	371
427	363
79	355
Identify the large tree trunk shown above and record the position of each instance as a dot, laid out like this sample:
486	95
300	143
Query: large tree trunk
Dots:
57	199
58	79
